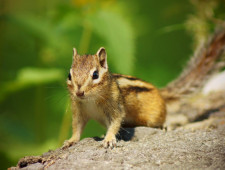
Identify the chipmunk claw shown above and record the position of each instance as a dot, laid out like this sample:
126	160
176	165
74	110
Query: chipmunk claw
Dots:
109	143
68	143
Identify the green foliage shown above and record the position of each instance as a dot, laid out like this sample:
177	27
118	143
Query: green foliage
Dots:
142	38
28	77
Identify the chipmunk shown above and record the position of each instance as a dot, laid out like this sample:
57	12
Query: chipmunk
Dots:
116	100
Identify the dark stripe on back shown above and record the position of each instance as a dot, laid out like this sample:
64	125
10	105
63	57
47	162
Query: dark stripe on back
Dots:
126	77
136	89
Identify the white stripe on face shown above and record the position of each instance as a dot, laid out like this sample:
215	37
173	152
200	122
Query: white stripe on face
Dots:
69	82
100	74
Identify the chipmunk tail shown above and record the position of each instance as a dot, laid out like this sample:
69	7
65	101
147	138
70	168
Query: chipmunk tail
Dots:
208	59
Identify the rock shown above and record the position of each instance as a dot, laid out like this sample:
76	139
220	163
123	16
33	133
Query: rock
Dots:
140	148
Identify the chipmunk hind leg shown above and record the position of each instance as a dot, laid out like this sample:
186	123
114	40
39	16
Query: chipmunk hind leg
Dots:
153	112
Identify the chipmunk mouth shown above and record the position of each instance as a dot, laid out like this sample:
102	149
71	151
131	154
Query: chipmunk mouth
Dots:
80	97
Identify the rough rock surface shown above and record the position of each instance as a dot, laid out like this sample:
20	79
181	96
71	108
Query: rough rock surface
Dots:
140	148
194	139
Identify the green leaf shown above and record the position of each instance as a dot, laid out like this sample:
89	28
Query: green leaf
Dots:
28	77
39	75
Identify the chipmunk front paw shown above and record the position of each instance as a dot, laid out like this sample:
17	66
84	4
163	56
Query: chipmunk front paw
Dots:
68	143
109	142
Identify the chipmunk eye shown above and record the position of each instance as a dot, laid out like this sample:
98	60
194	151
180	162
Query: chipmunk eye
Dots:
95	75
69	76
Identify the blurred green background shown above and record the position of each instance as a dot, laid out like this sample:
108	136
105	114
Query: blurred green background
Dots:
148	39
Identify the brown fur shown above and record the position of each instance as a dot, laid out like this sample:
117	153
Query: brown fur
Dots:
143	104
111	99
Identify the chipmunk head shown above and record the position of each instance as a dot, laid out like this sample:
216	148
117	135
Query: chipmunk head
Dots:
87	75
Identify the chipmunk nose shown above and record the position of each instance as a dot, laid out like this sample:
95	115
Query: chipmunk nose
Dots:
80	93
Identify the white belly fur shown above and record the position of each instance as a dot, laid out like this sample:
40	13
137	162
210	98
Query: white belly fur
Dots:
92	111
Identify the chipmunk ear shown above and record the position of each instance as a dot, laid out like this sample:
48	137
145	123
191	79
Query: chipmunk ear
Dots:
74	53
101	53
